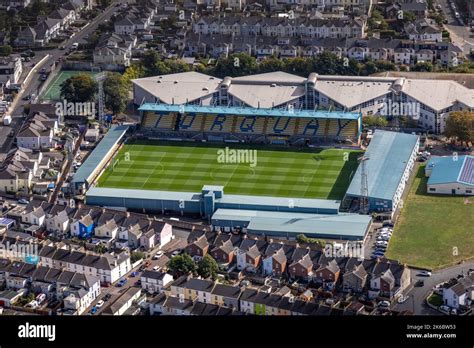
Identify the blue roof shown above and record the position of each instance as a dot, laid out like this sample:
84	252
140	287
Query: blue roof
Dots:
112	137
388	154
280	201
248	111
345	226
450	169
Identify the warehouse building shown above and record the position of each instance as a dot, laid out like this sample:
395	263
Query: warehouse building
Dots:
204	203
451	175
289	225
391	157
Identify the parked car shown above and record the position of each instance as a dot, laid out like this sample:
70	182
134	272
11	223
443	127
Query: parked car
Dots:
175	253
444	309
385	304
107	297
158	255
100	303
121	282
23	201
93	310
454	311
26	97
419	283
425	273
133	274
156	268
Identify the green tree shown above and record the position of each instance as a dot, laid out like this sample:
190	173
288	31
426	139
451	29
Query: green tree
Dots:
237	64
181	265
301	238
408	17
116	93
5	50
136	255
80	88
374	121
134	71
460	126
422	67
207	267
271	64
298	66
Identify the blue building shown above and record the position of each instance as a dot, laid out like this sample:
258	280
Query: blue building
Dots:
391	157
451	175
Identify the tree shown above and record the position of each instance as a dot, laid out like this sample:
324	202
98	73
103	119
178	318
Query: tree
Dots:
422	67
116	93
136	255
298	66
134	71
408	17
301	238
181	265
460	126
207	267
5	50
80	88
271	64
237	64
374	121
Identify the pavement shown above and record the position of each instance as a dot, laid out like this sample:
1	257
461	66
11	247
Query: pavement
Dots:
460	35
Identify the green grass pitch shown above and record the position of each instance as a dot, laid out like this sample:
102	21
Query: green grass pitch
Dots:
282	172
53	91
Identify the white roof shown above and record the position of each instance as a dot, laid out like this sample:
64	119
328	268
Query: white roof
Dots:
351	92
438	94
179	88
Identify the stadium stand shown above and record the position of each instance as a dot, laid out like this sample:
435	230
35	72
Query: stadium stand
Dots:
250	122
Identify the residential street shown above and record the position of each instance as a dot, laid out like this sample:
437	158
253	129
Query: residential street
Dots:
460	35
34	84
418	294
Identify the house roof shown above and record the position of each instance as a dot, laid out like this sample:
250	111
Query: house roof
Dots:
451	169
226	291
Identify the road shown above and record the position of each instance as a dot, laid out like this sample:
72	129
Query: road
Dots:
417	295
460	35
34	85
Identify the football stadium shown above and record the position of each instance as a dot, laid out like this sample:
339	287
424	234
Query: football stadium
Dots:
276	165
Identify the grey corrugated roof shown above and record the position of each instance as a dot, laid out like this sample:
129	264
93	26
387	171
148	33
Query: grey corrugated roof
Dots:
100	152
388	154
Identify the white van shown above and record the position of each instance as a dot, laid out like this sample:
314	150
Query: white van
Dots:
75	45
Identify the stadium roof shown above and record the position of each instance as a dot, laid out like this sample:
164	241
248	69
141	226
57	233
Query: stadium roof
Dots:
247	111
388	154
112	137
179	88
143	194
447	170
335	226
280	201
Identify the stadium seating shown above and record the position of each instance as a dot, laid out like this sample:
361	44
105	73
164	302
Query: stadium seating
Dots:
348	129
332	128
312	127
249	125
281	125
152	120
218	124
191	123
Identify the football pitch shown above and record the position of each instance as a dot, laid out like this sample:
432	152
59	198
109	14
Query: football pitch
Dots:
53	92
246	170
